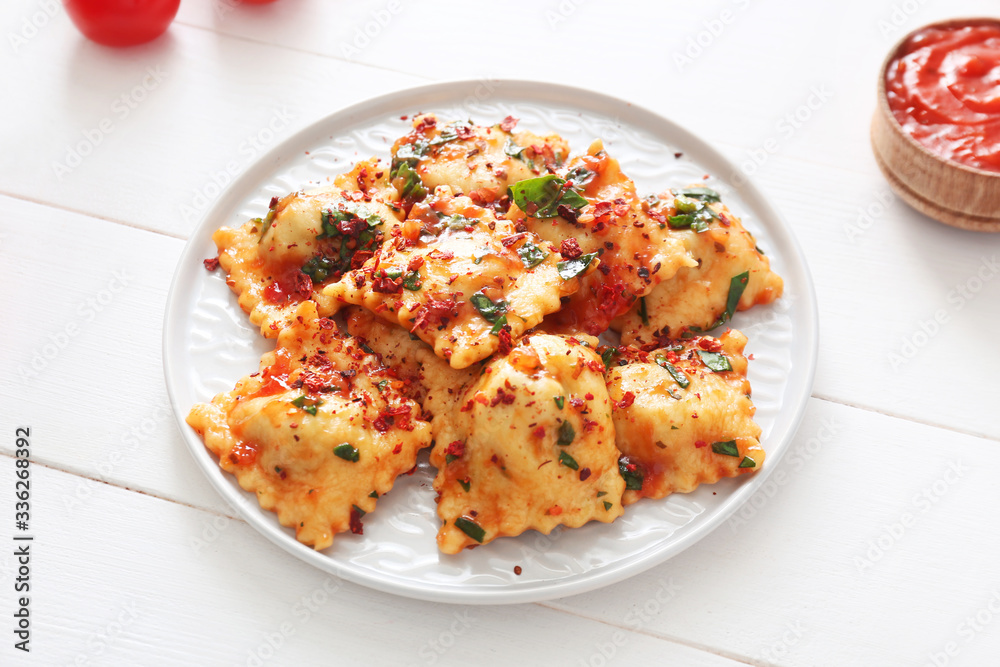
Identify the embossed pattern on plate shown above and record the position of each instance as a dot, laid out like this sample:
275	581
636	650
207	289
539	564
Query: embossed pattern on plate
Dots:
209	344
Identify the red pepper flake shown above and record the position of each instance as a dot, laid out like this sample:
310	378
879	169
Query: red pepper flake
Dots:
506	342
494	459
700	443
602	208
434	312
577	403
694	415
415	263
403	117
621	207
750	357
570	248
326	323
584	474
426	123
627	400
456	449
397	449
362	176
385	285
302	285
502	397
508	241
589	425
588	396
212	263
443	255
383	423
710	344
464	132
355	522
566	213
508	124
517	570
539	432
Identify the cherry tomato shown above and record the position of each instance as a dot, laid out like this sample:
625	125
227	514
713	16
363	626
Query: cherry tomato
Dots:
122	22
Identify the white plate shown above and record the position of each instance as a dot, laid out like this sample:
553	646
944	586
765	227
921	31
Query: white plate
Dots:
208	344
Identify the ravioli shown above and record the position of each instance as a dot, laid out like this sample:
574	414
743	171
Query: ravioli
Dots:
318	434
607	222
474	160
697	297
306	240
531	446
683	415
459	279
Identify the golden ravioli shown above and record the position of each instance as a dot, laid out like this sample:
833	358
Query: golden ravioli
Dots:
307	240
318	434
531	446
470	159
683	415
697	297
597	213
460	279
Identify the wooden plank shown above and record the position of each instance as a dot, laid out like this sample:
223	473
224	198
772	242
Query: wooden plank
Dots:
866	547
149	136
126	583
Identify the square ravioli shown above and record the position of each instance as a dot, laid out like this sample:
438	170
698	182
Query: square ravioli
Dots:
474	160
306	240
590	210
531	445
731	273
683	415
318	434
463	281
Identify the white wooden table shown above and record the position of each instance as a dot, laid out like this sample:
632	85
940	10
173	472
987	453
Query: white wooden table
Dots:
874	544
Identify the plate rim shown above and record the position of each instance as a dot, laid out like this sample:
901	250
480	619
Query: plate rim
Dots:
798	392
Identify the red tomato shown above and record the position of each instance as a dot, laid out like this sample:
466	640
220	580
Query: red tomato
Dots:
122	22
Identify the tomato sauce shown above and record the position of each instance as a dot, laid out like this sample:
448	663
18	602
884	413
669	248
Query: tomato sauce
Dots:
943	87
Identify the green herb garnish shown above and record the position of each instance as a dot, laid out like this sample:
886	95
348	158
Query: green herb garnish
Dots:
498	325
566	433
703	193
470	528
568	461
571	268
310	405
541	197
748	462
411	281
716	361
531	255
607	505
633	478
489	309
727	448
643	315
677	374
347	452
560	401
465	484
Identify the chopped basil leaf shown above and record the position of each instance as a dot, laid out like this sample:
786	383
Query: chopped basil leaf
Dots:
465	484
393	272
347	452
541	197
727	448
643	315
677	374
606	357
457	222
748	462
571	268
579	177
319	268
373	494
681	221
703	193
470	528
568	461
500	324
633	478
674	394
686	205
601	494
607	505
332	219
531	255
479	253
511	149
268	219
716	361
307	404
412	187
411	281
699	226
566	433
360	511
560	401
737	284
382	384
490	310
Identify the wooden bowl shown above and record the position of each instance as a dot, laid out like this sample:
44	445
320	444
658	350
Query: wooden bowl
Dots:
952	193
